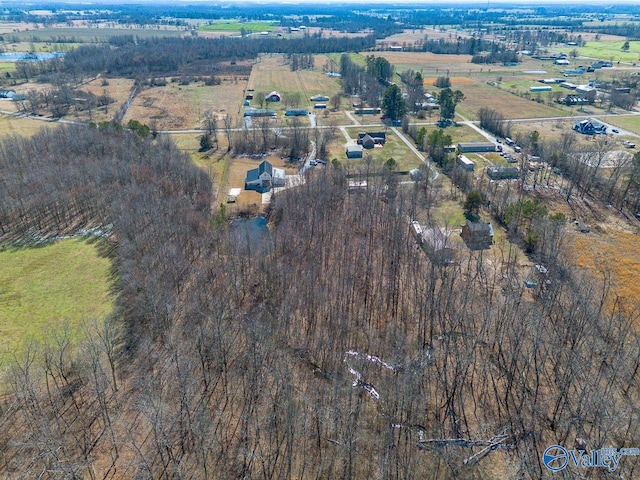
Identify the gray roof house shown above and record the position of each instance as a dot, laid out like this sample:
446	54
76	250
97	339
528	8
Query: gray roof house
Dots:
354	151
264	177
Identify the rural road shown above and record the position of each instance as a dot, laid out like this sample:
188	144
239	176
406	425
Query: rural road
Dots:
416	152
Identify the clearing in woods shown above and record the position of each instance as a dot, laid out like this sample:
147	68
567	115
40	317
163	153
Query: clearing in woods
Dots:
175	106
45	288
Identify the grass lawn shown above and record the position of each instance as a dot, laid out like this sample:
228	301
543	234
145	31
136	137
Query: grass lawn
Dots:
235	26
25	127
393	148
7	67
43	288
628	122
177	106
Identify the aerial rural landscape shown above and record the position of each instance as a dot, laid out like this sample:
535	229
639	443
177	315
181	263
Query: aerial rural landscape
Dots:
324	241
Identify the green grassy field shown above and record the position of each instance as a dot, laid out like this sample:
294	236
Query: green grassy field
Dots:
6	67
43	288
628	122
608	50
235	26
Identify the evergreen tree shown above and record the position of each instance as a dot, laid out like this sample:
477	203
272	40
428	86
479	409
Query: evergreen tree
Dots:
393	104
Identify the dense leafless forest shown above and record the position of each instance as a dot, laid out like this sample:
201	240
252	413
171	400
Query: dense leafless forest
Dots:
331	349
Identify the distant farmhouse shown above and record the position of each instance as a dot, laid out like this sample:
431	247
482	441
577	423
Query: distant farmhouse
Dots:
590	126
371	139
477	147
503	173
260	112
296	112
264	177
273	97
477	235
368	111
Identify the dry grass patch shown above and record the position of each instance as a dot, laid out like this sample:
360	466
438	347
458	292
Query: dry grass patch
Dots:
175	107
478	95
613	252
24	127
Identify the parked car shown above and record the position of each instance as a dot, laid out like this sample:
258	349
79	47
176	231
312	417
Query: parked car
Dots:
615	130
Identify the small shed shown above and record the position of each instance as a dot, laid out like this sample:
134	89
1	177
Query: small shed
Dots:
354	151
466	163
233	194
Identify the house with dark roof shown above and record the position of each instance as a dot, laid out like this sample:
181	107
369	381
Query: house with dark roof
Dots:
264	177
589	126
478	235
378	138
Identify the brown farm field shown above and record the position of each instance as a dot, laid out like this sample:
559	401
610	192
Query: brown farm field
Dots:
177	106
511	106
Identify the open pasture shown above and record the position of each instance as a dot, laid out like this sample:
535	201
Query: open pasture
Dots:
42	289
627	122
175	106
614	250
608	50
273	73
478	95
236	26
24	127
97	34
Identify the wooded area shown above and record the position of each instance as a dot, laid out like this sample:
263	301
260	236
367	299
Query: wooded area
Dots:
332	349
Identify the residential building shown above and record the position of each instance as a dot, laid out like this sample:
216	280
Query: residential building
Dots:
264	177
